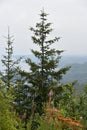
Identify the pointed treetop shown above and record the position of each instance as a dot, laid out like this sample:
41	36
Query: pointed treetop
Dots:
43	14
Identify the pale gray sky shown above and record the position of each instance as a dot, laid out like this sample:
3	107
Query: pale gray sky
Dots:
69	18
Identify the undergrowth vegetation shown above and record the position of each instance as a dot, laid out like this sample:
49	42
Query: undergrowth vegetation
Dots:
36	99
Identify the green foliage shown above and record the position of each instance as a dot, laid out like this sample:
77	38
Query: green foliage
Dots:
7	118
10	66
69	102
45	124
37	87
43	75
83	107
74	105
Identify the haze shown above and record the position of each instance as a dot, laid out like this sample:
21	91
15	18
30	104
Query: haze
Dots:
68	18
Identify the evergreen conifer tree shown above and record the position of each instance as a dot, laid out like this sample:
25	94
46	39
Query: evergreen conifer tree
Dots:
10	66
44	74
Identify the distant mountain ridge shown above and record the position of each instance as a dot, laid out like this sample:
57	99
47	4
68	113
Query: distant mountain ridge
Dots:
78	70
78	65
65	60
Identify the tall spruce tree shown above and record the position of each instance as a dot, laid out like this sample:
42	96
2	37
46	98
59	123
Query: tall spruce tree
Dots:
10	66
44	74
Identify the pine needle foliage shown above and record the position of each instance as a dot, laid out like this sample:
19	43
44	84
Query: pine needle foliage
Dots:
10	65
44	74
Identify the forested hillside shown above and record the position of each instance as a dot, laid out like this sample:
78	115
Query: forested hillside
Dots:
78	69
36	97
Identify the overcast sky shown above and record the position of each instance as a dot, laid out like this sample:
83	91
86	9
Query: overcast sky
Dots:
68	18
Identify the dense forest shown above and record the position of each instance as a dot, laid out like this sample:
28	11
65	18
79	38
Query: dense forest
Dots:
36	98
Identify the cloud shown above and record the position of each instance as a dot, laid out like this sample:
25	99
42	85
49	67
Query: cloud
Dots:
82	3
69	20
